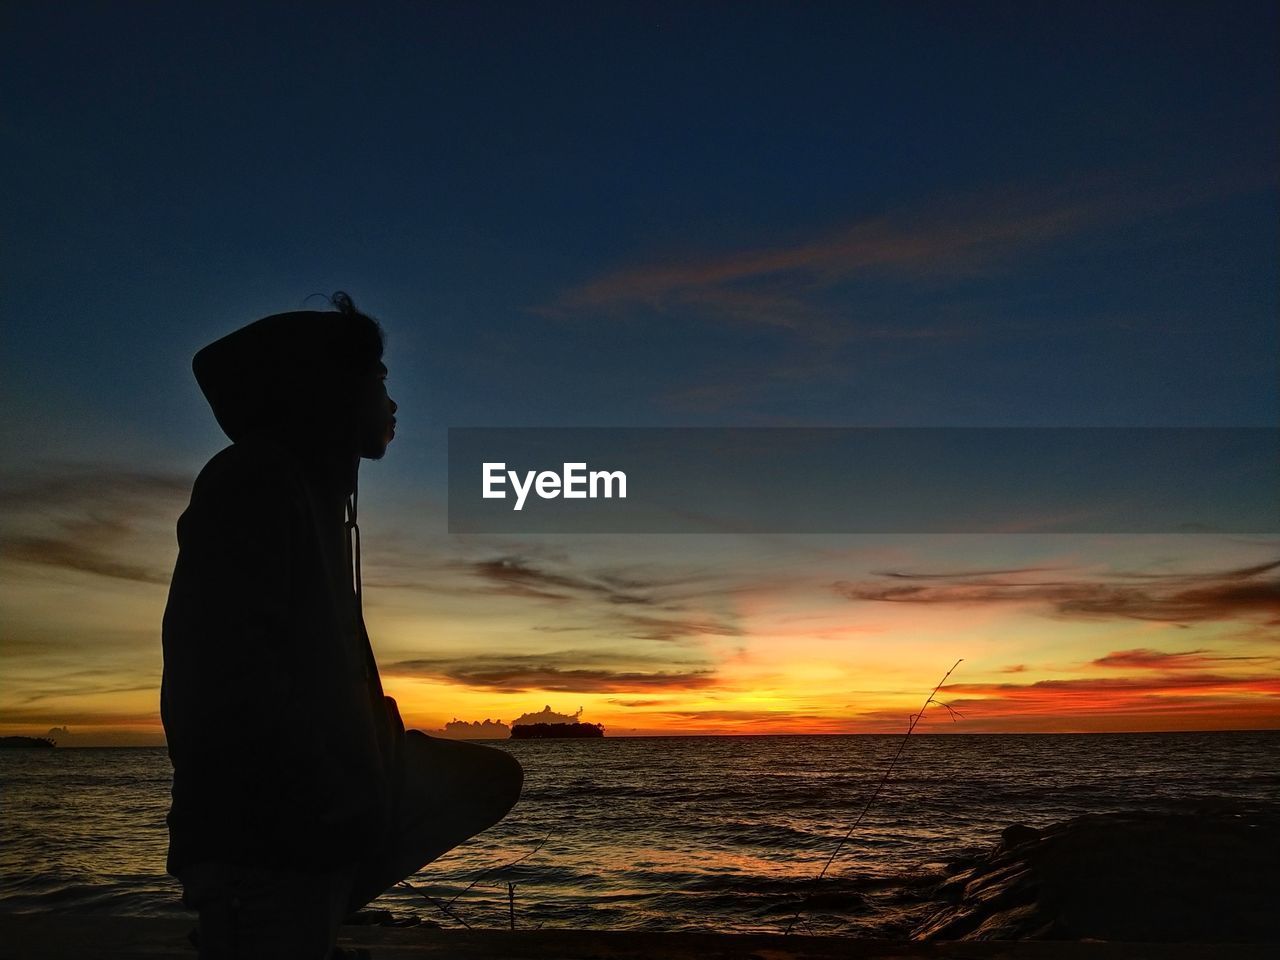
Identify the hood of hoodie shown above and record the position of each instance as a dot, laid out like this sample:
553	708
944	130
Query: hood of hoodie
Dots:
286	380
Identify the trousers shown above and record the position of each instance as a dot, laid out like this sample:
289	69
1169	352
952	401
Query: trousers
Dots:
447	792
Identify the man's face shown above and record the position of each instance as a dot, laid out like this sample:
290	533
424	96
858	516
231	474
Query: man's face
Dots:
375	412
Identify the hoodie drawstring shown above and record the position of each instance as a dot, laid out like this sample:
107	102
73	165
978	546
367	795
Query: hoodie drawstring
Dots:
353	542
353	560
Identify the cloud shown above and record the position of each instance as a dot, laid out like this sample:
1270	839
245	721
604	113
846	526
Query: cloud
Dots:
965	574
651	702
1171	701
87	518
57	485
534	676
81	548
1226	596
85	717
610	602
1145	712
569	671
784	285
842	301
1089	687
1241	594
547	715
642	627
754	721
1146	659
744	714
779	285
517	576
487	729
68	685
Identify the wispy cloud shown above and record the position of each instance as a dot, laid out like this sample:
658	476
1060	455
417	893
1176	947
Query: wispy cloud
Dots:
1092	687
745	714
57	485
90	716
780	286
576	671
1154	701
83	546
749	720
89	519
1240	594
647	702
1146	659
518	576
611	604
784	285
836	300
62	687
670	629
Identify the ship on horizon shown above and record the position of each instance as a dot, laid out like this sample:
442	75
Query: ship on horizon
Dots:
555	731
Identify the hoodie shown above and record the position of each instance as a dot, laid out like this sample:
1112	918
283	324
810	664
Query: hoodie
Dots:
283	744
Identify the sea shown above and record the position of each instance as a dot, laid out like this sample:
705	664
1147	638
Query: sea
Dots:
685	833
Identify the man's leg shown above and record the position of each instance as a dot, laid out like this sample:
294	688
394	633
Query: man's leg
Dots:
449	791
251	913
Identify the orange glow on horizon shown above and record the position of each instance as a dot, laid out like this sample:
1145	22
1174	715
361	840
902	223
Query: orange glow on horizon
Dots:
746	650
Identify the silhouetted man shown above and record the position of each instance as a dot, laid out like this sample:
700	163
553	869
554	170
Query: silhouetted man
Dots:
298	796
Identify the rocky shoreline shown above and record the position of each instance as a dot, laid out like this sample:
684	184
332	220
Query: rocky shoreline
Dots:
1203	876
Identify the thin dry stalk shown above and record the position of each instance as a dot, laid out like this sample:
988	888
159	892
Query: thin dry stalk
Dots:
446	907
505	866
914	719
437	903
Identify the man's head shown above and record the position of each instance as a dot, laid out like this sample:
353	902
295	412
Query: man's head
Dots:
375	414
371	408
313	380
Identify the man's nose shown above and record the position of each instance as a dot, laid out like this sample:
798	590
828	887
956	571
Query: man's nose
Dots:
394	406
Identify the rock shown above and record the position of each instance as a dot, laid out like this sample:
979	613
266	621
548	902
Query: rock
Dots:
1207	877
1017	834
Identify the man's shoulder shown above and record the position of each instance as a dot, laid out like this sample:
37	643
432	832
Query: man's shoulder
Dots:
249	470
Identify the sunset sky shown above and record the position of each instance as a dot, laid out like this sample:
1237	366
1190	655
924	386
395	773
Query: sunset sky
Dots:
897	214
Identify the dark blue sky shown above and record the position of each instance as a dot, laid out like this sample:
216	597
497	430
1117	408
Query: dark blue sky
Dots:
633	214
643	214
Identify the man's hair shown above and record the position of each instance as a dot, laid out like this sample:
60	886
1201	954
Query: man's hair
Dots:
363	339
